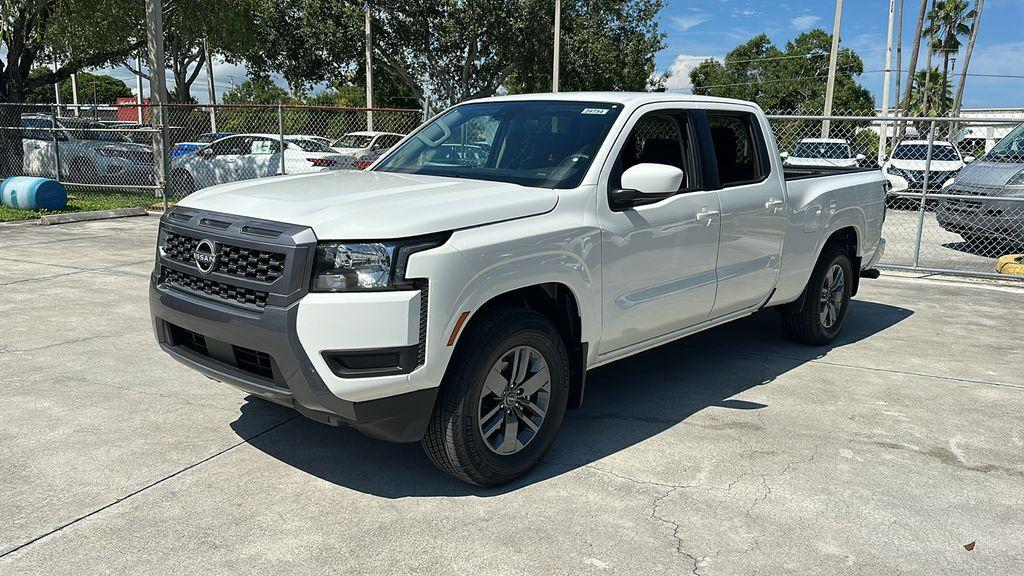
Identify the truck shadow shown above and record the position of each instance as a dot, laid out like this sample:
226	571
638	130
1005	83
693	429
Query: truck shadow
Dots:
626	403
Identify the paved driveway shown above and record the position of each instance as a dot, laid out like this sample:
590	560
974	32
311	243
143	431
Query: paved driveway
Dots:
732	452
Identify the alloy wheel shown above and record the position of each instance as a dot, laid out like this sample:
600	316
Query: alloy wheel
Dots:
514	400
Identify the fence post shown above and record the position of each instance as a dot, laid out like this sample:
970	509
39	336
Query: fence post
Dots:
924	193
280	134
56	144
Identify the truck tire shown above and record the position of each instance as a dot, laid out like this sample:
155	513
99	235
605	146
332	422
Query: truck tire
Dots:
502	401
826	300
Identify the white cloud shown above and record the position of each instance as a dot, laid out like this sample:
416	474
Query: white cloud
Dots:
805	22
684	23
679	71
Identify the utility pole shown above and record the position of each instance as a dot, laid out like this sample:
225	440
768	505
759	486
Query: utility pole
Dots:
369	68
210	86
558	41
74	92
899	59
157	88
958	101
833	56
883	133
138	87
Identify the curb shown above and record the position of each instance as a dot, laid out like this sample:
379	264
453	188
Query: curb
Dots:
70	217
1011	264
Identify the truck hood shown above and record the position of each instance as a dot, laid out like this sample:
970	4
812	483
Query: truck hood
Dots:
357	205
985	173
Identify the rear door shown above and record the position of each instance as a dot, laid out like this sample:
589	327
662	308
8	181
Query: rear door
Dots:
658	260
262	157
222	163
754	210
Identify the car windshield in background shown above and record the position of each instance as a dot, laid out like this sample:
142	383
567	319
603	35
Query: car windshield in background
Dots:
311	146
1010	148
530	143
920	152
85	130
353	141
830	151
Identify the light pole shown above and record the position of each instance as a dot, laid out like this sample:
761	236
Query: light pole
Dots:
883	133
369	68
833	56
558	35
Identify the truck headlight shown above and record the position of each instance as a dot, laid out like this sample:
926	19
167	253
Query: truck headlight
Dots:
1017	179
355	266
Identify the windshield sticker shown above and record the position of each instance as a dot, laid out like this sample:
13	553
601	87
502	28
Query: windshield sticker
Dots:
598	111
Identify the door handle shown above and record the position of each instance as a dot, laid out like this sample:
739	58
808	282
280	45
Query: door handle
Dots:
705	216
774	205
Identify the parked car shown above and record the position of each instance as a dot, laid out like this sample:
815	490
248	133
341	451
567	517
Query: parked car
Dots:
462	304
984	217
905	169
822	152
362	148
247	156
183	148
89	152
318	139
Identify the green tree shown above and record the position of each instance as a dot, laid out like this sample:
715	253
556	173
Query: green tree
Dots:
92	89
460	49
947	22
788	81
78	34
939	92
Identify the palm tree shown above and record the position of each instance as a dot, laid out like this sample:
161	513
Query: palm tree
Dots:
979	5
912	68
931	91
947	22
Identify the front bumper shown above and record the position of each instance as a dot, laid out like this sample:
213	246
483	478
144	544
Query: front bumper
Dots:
275	347
982	217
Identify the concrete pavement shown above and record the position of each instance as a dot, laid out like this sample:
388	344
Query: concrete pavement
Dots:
732	452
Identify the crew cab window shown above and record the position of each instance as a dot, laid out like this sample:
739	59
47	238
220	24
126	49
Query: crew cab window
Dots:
657	138
738	148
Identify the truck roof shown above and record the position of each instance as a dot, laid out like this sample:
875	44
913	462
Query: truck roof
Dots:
624	98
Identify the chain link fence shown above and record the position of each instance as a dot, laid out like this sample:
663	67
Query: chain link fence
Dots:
149	156
956	185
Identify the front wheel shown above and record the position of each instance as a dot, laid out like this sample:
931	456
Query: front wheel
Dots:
502	402
826	300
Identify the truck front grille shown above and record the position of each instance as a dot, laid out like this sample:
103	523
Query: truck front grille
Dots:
193	283
247	360
234	260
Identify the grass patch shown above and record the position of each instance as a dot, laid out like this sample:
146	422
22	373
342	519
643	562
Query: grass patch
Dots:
89	199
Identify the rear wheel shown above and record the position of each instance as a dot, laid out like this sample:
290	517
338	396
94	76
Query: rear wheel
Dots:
502	401
826	300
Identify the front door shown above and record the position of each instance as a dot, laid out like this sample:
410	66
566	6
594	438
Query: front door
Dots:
658	260
753	211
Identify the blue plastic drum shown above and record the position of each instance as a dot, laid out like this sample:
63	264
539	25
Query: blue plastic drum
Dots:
29	193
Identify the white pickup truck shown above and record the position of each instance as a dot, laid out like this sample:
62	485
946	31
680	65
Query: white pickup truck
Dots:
457	291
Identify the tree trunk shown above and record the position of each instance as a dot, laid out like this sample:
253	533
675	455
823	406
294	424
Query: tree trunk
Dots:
905	104
979	6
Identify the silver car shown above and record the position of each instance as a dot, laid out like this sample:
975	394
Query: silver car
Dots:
992	210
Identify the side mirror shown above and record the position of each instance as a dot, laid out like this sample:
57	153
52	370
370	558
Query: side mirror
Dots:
646	184
969	159
861	157
784	155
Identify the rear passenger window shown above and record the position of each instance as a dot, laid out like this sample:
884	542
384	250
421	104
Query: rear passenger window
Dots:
737	149
657	138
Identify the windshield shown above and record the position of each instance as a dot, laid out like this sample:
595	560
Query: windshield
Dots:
86	130
1010	148
940	152
829	150
353	141
311	145
531	143
210	137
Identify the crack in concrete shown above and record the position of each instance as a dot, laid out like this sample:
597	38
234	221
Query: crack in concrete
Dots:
153	484
7	350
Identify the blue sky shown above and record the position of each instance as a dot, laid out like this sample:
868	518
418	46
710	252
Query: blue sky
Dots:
697	30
